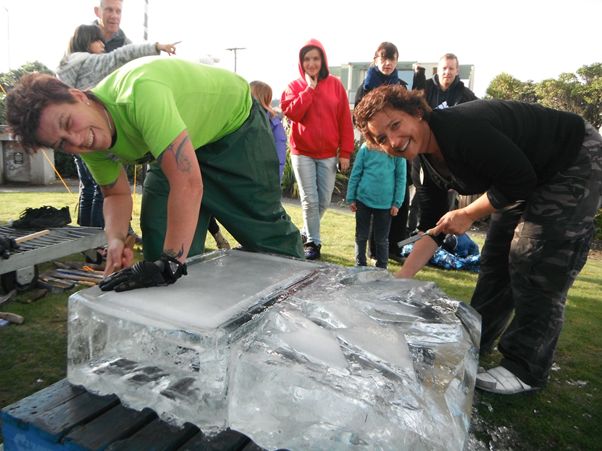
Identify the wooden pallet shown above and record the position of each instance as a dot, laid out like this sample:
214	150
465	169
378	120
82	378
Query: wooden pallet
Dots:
64	417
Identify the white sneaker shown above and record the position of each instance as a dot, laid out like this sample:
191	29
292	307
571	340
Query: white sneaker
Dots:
502	381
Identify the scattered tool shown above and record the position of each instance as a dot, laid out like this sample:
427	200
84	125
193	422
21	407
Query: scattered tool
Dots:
12	317
83	280
82	273
32	236
7	297
34	295
78	265
413	239
55	285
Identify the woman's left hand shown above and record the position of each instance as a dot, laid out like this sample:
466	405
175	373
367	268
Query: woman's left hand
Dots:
455	221
343	164
170	49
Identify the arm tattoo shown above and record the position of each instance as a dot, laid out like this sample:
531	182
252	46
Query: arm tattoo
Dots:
182	161
172	253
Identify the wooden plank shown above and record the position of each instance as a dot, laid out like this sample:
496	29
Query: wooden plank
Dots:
227	440
39	403
157	436
59	421
63	417
17	428
115	424
32	236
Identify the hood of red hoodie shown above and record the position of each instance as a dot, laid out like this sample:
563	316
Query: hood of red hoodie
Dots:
313	43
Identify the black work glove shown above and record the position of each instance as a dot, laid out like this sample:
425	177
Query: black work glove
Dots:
164	271
6	245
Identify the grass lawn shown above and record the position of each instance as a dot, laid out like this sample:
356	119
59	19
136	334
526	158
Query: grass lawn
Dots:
566	415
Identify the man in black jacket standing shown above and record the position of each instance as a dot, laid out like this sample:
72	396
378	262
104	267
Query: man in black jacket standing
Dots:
443	90
446	89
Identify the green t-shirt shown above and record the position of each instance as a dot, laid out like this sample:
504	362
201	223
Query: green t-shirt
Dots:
153	99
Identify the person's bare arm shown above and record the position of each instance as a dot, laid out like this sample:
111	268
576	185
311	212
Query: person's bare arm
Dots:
456	221
181	167
117	210
421	253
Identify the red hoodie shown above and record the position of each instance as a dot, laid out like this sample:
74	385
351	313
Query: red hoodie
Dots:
321	118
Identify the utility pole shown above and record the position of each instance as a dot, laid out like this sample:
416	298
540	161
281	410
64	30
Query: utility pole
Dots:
145	20
235	50
7	37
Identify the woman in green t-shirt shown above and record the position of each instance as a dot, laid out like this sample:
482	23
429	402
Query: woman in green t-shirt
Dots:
205	138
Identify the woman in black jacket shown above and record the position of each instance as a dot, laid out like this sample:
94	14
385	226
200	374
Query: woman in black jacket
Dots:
541	172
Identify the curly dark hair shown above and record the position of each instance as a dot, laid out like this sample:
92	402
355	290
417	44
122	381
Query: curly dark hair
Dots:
389	96
25	102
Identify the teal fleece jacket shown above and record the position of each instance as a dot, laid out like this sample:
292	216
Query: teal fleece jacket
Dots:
377	179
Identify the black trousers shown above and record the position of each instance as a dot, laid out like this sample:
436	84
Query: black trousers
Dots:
533	252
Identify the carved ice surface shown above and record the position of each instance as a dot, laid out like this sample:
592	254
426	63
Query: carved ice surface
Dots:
294	354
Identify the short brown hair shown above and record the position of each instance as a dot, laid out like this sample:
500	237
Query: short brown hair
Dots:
387	50
25	102
451	56
389	96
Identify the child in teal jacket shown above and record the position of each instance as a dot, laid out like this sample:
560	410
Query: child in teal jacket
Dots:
375	192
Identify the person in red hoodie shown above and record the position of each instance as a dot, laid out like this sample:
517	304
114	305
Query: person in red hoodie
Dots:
321	137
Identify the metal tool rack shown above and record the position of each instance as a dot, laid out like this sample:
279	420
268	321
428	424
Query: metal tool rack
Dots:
60	242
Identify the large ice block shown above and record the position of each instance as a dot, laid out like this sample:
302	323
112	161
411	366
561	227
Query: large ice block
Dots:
294	354
168	347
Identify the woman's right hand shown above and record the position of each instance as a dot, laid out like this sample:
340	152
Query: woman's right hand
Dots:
311	82
119	256
170	49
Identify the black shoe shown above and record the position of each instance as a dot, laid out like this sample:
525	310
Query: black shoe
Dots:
303	238
43	218
312	251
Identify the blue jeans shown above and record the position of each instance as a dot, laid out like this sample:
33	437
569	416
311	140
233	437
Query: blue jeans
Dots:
91	199
381	223
315	179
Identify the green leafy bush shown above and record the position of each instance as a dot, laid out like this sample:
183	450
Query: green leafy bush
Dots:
8	80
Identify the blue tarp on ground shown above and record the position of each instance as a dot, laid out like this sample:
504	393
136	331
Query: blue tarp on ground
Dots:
458	252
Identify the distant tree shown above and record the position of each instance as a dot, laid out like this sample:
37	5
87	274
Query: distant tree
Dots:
561	94
8	80
579	93
591	92
506	87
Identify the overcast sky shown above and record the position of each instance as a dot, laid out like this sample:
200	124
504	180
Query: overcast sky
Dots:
530	39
